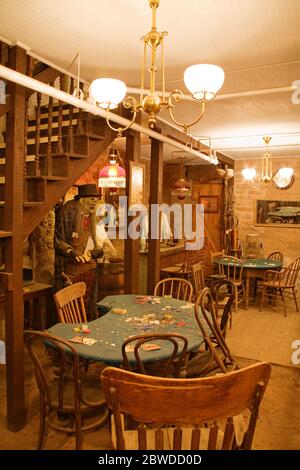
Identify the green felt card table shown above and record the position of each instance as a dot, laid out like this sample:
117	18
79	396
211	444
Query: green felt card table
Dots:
112	329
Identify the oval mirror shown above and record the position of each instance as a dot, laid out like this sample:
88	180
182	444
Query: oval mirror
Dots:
284	178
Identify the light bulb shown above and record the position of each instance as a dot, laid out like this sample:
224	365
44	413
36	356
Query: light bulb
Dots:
204	80
249	173
108	92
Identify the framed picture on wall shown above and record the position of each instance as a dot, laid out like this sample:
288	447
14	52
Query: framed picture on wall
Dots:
136	184
210	203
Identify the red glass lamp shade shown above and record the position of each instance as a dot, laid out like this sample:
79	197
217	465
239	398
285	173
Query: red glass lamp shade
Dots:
112	176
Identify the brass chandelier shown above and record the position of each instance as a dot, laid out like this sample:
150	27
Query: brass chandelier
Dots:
202	80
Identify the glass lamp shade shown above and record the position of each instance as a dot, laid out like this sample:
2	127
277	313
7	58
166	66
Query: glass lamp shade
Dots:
286	172
181	189
249	173
204	80
112	176
108	92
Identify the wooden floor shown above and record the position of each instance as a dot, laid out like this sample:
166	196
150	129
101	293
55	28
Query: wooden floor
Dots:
265	335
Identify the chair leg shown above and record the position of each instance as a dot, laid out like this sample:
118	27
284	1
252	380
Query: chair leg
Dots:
295	299
236	299
42	428
255	288
78	425
262	299
283	299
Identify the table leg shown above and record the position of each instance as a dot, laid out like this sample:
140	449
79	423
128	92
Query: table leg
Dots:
247	291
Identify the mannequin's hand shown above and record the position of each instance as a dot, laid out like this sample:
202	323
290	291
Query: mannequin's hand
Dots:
80	259
84	258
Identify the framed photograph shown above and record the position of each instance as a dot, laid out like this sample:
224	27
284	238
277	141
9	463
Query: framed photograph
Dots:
136	184
274	212
210	203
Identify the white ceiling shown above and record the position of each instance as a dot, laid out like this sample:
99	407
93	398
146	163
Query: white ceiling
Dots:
257	42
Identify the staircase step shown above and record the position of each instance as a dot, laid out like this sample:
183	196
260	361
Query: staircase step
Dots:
32	204
5	234
45	177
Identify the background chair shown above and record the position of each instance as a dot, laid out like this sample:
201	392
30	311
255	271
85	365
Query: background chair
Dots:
175	287
171	367
184	269
274	256
232	269
64	390
70	305
282	282
223	293
217	356
183	414
198	278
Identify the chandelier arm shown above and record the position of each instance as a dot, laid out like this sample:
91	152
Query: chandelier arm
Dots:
129	103
177	96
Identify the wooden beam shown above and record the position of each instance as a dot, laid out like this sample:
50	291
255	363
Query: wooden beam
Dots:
156	182
131	277
13	253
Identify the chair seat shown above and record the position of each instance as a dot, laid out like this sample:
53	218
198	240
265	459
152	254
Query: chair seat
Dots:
217	276
278	285
172	269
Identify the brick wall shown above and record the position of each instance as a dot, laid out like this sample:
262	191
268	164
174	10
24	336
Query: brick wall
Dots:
284	238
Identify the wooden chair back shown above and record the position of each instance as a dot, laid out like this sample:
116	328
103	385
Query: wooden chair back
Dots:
276	256
198	277
185	414
217	291
290	274
61	388
177	288
231	267
70	305
218	355
171	367
216	254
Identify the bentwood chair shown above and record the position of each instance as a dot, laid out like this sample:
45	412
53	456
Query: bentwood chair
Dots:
217	356
176	288
66	393
174	344
70	305
281	282
185	414
223	293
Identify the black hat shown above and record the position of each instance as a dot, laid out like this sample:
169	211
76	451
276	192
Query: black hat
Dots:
87	190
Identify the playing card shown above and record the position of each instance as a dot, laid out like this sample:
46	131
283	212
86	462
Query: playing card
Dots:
150	347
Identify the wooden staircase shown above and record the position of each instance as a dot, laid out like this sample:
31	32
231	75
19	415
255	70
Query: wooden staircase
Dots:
61	145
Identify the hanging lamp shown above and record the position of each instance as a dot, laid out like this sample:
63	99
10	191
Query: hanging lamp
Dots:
181	188
112	176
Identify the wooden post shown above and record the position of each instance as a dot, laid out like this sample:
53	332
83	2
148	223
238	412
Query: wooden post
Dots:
13	253
156	181
131	275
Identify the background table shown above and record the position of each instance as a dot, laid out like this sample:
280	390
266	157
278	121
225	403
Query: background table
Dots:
112	329
255	268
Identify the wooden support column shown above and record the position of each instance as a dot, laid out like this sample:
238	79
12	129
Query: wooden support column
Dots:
156	182
131	277
13	253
